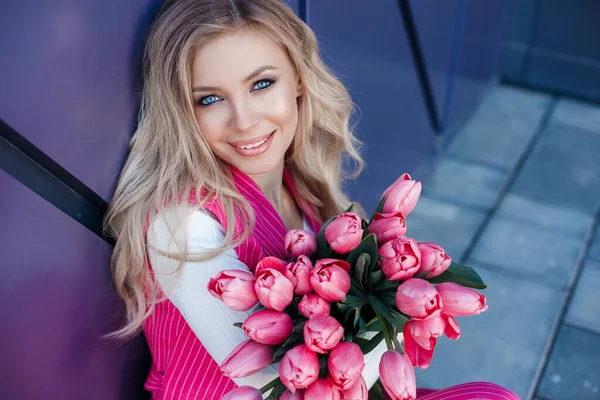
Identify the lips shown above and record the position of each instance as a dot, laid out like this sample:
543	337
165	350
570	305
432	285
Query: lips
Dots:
252	141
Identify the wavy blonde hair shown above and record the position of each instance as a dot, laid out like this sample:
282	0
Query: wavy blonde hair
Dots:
169	157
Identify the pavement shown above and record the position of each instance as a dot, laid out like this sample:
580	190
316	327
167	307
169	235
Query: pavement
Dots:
516	196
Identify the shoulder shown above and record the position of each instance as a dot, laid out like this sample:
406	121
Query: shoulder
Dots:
197	227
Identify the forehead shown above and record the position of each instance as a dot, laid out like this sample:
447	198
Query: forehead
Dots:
232	56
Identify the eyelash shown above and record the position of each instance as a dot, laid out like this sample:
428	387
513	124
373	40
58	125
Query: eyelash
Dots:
271	81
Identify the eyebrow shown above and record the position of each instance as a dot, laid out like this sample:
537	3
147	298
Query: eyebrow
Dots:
256	72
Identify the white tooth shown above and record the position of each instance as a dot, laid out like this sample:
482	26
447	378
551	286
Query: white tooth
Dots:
251	146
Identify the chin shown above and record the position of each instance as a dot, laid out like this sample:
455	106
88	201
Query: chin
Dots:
258	167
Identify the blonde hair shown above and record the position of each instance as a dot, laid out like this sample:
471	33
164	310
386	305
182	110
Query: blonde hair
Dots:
169	157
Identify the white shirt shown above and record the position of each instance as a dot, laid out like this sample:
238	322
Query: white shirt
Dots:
209	318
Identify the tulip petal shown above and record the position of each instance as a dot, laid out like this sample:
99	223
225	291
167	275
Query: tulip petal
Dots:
419	356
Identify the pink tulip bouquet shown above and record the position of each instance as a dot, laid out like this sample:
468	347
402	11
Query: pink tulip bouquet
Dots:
355	276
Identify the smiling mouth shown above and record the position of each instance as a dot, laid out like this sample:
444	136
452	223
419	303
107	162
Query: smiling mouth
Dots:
254	145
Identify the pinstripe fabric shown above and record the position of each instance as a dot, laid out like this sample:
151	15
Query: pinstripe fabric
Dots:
471	391
181	366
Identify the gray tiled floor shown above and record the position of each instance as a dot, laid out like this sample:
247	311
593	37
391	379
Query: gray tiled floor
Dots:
530	249
594	254
563	169
504	122
541	255
493	346
584	309
578	114
573	370
549	217
478	185
447	224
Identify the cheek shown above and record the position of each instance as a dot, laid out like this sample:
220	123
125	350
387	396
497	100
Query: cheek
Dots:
211	125
284	111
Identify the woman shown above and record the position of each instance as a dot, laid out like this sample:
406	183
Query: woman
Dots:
240	138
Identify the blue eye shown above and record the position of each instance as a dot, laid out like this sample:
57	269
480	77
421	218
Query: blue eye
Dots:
263	84
208	100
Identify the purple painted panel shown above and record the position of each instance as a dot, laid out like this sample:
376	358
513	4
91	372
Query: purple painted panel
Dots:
479	57
57	302
68	79
365	44
436	23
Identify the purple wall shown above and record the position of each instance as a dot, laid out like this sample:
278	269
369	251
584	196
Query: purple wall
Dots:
68	84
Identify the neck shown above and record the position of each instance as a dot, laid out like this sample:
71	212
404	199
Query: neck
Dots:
271	184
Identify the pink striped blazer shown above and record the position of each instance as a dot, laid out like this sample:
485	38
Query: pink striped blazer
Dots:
181	366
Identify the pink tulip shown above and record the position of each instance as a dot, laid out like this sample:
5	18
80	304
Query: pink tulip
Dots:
243	393
400	258
312	305
330	279
322	389
358	391
235	288
271	263
322	333
460	301
345	363
425	332
268	327
298	368
344	233
300	272
452	330
274	290
433	259
402	195
397	376
388	226
418	299
419	356
300	242
247	358
287	395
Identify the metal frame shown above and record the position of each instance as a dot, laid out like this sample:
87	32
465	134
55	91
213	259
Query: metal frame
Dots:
29	165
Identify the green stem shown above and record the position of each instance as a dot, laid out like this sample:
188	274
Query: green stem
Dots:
385	330
270	385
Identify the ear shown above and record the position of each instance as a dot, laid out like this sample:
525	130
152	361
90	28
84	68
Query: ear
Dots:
299	88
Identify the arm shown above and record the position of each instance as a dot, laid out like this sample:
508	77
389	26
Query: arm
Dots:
209	318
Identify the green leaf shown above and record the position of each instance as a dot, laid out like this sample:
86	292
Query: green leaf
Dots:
359	268
323	248
350	301
386	285
367	245
238	324
299	328
289	344
388	297
377	276
277	391
356	288
350	209
367	345
379	208
381	308
361	324
460	274
401	319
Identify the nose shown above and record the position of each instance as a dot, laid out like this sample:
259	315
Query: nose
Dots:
244	117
